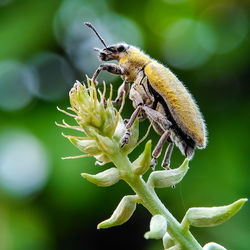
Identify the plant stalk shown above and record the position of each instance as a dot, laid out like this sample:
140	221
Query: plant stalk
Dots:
149	199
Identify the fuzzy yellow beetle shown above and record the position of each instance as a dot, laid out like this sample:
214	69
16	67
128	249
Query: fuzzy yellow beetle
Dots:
156	93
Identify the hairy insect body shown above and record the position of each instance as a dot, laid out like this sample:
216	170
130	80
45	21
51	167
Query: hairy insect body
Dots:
157	94
132	63
179	101
160	89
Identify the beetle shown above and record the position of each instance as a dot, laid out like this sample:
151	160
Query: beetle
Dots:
157	94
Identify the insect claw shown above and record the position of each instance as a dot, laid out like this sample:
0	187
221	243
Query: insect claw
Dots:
166	165
126	121
125	138
124	141
153	163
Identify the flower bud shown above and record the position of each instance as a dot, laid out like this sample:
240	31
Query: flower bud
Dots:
211	216
142	164
158	227
167	241
86	146
102	159
105	144
110	121
122	213
168	178
105	178
134	134
120	130
92	113
213	246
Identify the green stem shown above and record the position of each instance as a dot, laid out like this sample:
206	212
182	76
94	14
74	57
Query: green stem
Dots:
153	204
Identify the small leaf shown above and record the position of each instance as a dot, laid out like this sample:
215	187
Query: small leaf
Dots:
158	227
168	178
122	213
142	164
167	241
105	178
211	216
213	246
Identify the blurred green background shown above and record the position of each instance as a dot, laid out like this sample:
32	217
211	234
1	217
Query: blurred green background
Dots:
44	48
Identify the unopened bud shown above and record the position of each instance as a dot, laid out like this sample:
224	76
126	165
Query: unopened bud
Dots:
102	159
167	241
104	179
120	130
158	227
86	146
134	134
122	213
105	144
142	164
92	113
168	178
213	246
211	216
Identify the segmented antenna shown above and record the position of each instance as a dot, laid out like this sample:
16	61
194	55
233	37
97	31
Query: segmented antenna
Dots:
92	27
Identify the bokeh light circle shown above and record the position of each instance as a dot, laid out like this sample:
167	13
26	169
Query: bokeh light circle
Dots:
24	163
229	23
183	44
5	2
78	40
54	76
15	80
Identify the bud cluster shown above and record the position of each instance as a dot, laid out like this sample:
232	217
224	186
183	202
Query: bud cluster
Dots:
103	129
99	121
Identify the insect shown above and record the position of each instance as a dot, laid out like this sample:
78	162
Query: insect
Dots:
157	94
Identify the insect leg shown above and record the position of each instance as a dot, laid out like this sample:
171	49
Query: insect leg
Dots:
157	117
158	148
125	138
142	117
123	88
166	161
110	67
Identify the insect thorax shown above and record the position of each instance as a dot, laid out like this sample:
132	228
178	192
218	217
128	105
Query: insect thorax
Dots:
132	62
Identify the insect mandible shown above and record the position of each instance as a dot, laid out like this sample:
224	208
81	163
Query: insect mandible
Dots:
157	94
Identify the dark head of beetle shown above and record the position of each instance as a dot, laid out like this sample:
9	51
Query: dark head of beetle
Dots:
112	52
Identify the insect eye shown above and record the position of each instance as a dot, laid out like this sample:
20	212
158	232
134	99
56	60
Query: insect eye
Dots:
120	48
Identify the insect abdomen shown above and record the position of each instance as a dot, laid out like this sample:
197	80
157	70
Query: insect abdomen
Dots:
179	101
184	142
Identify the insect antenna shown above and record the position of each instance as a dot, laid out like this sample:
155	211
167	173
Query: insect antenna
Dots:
92	27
